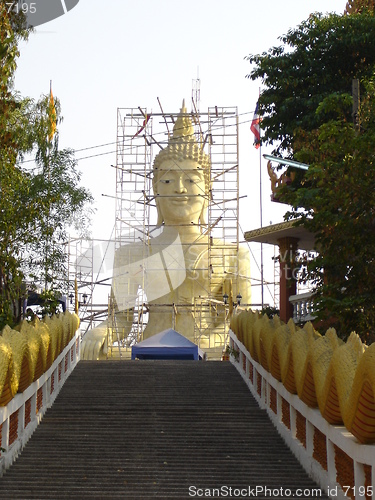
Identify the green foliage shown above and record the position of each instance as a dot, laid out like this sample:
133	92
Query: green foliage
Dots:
307	107
12	30
343	177
38	205
50	302
336	201
60	204
318	58
13	110
270	311
232	352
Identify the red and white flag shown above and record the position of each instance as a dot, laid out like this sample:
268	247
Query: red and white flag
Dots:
255	126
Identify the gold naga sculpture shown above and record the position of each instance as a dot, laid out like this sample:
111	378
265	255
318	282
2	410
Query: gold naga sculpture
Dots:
335	376
28	350
173	266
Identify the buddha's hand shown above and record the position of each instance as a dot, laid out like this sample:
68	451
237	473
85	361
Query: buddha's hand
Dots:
95	343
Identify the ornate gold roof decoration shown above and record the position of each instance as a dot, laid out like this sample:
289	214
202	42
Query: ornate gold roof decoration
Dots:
277	182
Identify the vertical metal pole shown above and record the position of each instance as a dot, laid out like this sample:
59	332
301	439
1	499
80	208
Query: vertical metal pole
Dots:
261	225
261	220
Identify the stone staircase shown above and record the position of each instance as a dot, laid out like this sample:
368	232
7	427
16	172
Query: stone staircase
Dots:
154	429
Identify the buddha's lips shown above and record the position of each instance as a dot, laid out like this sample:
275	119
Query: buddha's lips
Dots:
180	199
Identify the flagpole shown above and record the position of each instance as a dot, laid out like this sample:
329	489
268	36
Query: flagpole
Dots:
261	225
255	128
261	211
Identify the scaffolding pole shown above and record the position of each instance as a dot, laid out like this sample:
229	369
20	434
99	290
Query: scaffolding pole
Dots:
140	136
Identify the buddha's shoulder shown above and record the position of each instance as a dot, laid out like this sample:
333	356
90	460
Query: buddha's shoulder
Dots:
132	252
136	251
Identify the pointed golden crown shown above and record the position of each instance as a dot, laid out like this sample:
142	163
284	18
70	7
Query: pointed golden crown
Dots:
183	144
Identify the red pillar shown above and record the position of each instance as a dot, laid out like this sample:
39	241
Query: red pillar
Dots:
287	248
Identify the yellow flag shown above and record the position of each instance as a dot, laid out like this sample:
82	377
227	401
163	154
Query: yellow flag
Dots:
51	117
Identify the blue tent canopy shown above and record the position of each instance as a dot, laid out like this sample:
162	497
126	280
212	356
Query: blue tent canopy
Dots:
168	344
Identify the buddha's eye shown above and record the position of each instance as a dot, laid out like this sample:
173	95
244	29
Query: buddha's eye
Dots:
165	181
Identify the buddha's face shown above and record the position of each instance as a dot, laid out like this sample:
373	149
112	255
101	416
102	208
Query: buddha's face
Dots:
180	189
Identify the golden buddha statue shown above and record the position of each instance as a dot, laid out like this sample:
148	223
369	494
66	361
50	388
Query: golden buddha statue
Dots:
173	267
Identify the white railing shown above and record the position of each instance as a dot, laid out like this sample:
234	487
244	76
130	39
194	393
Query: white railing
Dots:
23	413
331	455
303	307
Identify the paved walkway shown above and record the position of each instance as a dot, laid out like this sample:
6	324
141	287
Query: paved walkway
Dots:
155	429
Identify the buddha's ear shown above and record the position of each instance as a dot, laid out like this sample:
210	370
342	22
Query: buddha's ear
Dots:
154	182
160	216
203	216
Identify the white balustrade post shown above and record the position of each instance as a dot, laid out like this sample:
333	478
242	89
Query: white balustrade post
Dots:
21	419
279	407
309	438
331	465
5	434
293	421
33	405
359	480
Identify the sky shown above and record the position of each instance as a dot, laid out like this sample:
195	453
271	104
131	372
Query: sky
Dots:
101	56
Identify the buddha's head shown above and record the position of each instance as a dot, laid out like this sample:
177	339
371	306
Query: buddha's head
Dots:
181	174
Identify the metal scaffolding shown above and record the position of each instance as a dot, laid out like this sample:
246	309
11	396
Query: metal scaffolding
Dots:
133	207
140	136
133	179
81	285
85	263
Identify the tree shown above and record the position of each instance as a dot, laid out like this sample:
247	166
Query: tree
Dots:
13	184
13	29
358	6
318	58
39	204
61	204
307	108
338	201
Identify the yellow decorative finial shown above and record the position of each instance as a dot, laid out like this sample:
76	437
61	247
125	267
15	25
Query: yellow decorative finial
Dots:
183	128
183	144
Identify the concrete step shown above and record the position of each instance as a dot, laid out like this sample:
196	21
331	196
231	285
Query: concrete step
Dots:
152	429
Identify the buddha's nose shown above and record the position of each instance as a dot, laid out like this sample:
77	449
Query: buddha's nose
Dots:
181	188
